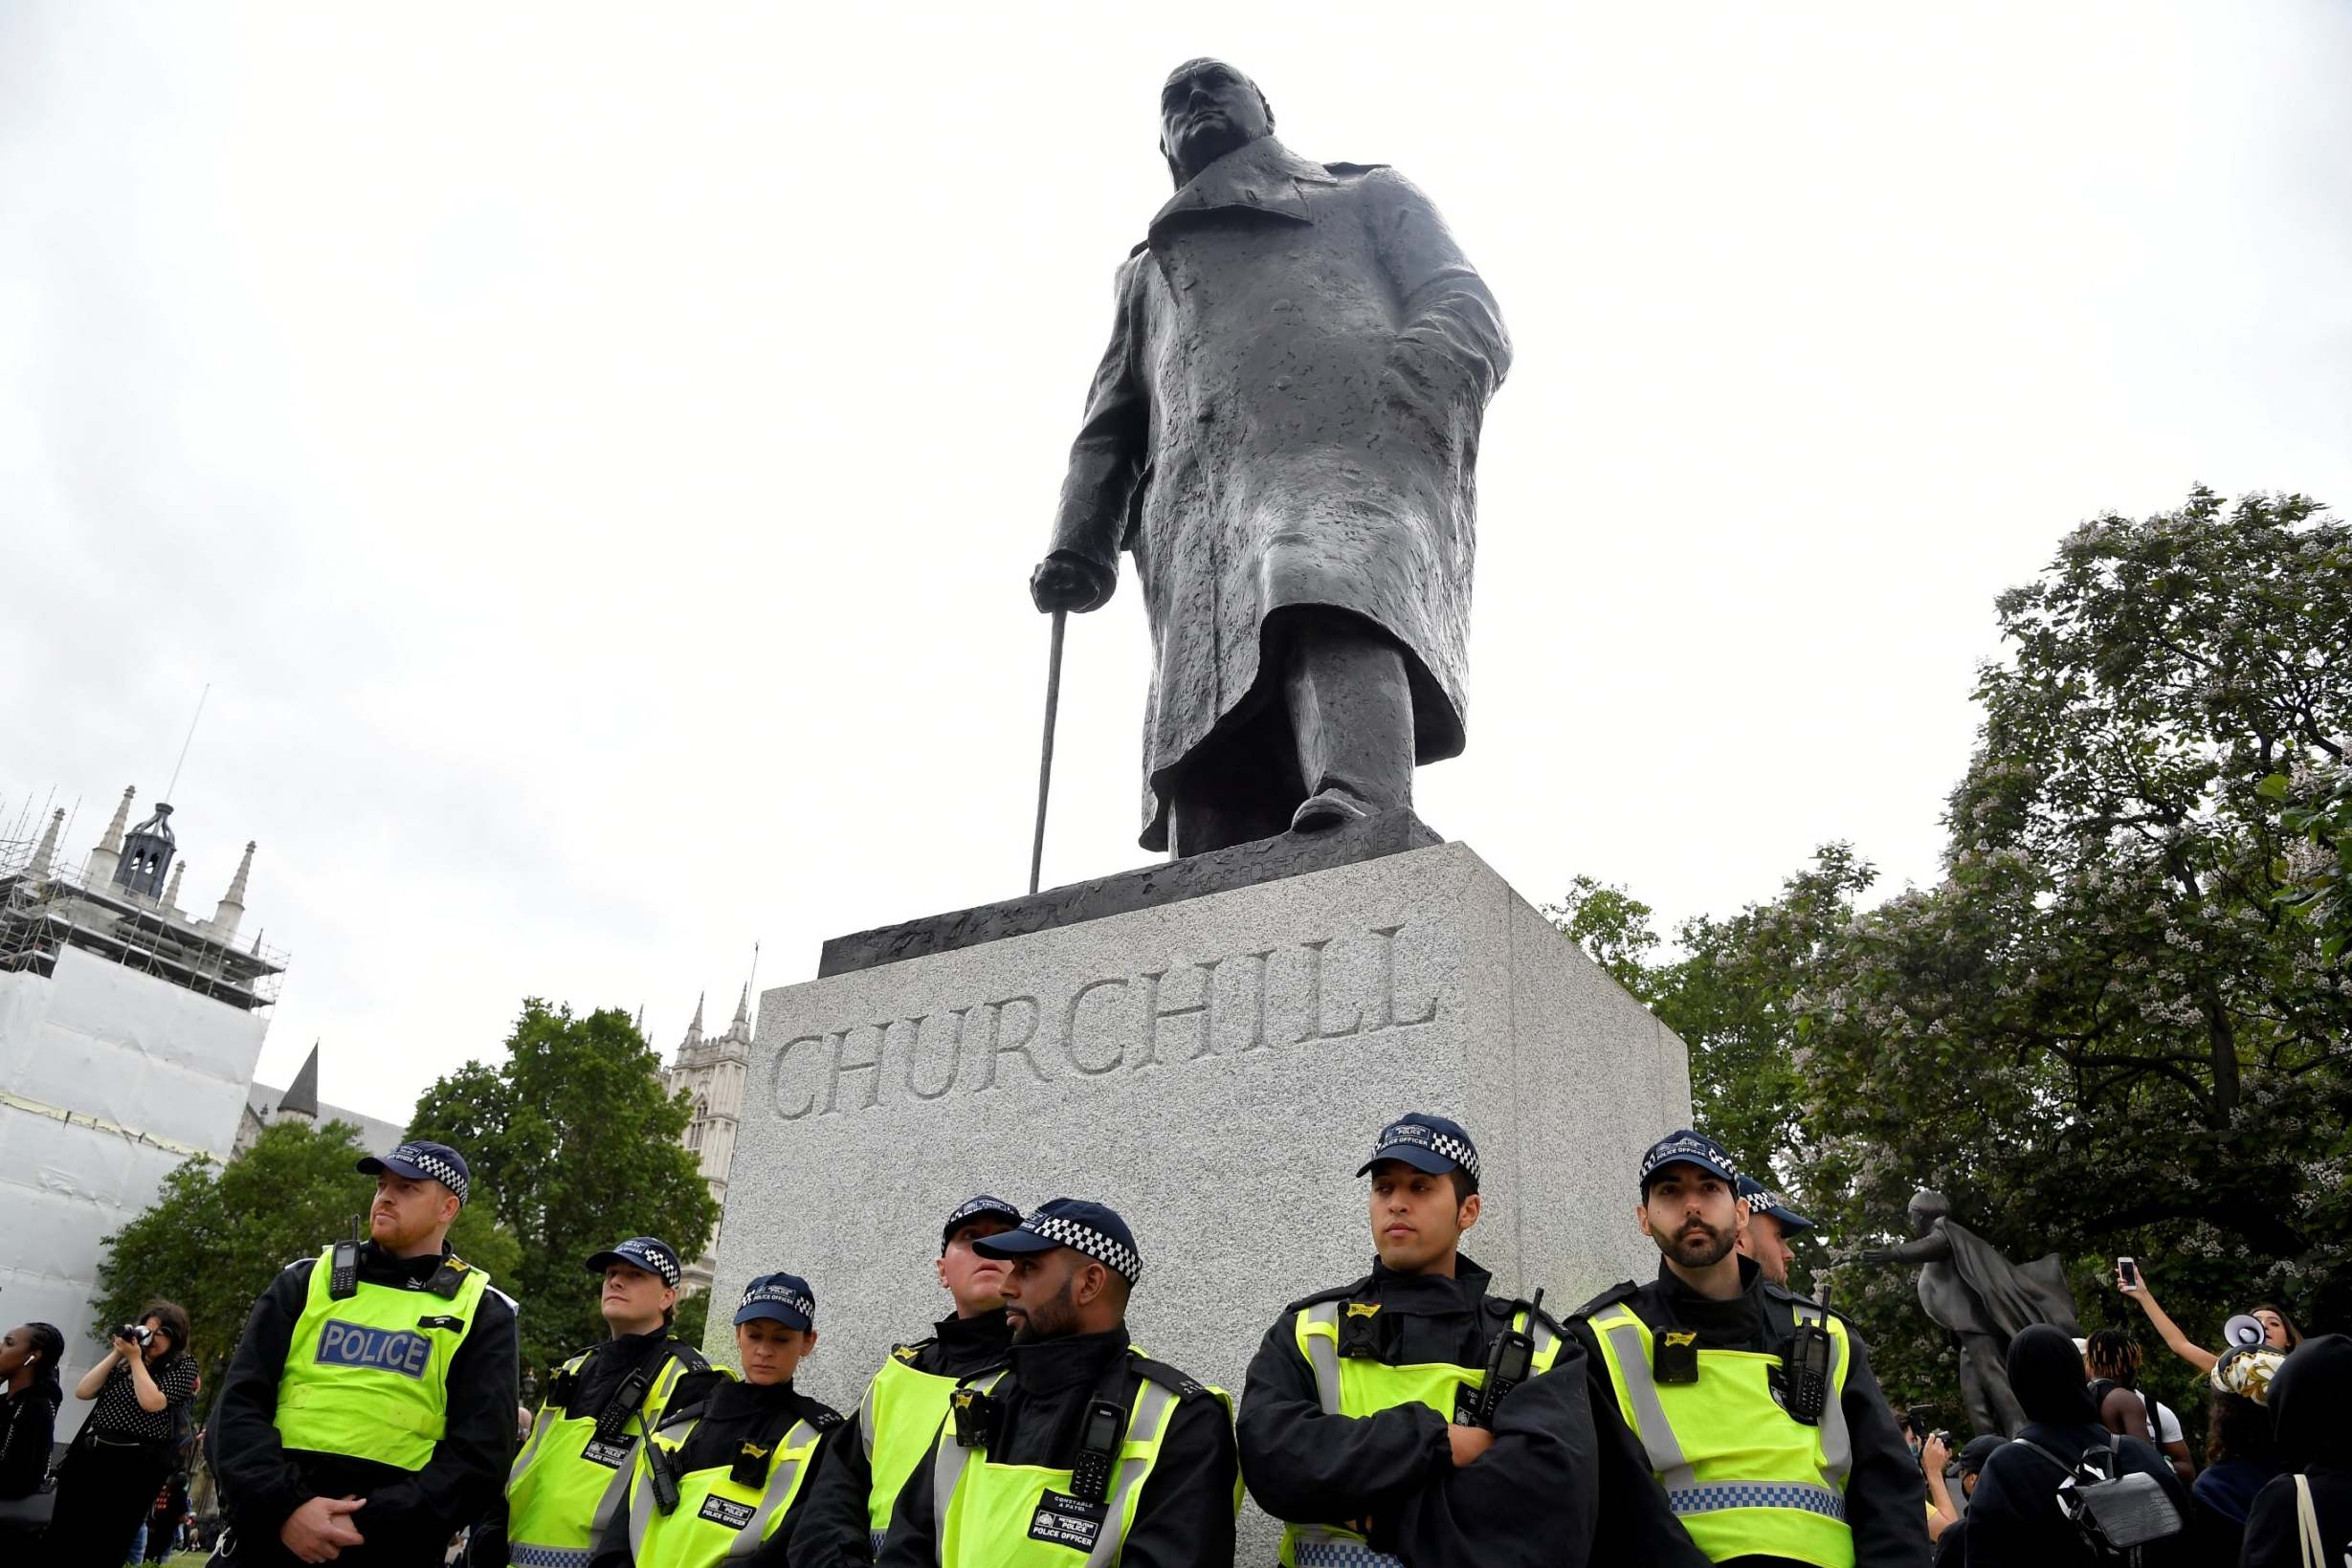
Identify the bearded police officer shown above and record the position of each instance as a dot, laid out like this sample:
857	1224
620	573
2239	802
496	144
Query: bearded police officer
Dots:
370	1410
1083	1450
575	1466
1771	1223
1756	1407
847	1511
1415	1418
722	1479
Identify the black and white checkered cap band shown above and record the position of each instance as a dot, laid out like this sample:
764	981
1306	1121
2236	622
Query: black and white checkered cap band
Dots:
1692	1149
651	1260
778	1295
1121	1260
984	1206
432	1165
1444	1145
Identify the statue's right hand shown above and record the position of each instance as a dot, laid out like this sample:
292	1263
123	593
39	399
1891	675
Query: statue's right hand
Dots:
1065	582
1878	1256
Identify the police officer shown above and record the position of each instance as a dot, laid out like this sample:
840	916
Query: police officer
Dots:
1771	1223
369	1411
1367	1424
1757	1408
1083	1450
846	1511
574	1469
720	1479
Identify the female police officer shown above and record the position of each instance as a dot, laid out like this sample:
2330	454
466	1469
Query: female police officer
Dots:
719	1480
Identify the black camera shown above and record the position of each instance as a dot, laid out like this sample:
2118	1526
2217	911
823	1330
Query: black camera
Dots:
138	1334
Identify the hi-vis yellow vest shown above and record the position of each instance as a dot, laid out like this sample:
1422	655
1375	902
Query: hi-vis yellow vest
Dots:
897	1420
1356	1385
368	1374
1741	1474
564	1485
992	1516
717	1519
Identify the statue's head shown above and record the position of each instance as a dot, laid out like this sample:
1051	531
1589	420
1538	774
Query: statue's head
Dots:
1207	110
1927	1207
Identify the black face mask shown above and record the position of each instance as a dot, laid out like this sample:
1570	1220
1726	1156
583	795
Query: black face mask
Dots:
2045	1372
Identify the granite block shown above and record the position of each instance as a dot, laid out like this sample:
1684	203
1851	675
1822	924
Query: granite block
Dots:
1215	1070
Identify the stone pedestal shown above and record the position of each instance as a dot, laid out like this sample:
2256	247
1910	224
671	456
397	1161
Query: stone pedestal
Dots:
1215	1068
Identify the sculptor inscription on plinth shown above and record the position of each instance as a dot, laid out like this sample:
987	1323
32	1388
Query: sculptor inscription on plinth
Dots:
1271	999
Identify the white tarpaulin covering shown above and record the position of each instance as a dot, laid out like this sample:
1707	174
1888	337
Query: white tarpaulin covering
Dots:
108	1079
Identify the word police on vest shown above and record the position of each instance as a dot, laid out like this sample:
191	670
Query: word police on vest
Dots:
385	1349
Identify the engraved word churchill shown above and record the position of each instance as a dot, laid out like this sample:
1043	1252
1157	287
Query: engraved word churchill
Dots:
1283	998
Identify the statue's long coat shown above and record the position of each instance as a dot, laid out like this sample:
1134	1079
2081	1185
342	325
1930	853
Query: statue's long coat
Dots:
1287	416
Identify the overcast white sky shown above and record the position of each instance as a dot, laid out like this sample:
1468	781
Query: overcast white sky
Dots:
595	453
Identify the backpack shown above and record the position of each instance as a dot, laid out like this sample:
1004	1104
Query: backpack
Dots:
2116	1511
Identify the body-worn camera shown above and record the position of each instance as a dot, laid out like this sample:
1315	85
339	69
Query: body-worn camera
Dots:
138	1334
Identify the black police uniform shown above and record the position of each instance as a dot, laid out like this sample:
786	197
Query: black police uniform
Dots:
830	1524
607	1366
731	1414
410	1514
1185	1516
1558	1488
1886	1501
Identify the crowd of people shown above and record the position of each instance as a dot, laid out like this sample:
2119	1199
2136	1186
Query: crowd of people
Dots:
1410	1418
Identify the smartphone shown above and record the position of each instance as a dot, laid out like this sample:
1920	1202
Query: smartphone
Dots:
2129	1270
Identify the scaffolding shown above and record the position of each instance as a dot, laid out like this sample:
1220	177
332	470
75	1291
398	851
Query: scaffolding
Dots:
44	911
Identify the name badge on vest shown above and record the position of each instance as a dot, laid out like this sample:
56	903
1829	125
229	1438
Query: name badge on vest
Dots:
609	1453
1676	1357
1064	1520
727	1511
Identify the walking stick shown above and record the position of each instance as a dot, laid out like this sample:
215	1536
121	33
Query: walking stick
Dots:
1045	759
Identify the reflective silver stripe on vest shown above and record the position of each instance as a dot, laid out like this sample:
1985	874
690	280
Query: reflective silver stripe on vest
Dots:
1721	1494
1657	1438
865	1417
1341	1554
780	1480
947	1469
540	1423
1323	1356
1149	1412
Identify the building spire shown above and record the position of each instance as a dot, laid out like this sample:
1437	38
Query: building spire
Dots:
109	851
171	893
694	1030
45	851
742	1027
232	908
302	1099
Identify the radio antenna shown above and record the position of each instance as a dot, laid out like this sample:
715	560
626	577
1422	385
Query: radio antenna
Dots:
185	744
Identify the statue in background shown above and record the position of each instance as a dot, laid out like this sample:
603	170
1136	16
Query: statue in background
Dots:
1984	1300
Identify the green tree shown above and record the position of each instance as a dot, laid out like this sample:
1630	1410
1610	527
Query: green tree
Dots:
217	1234
2115	1025
574	1135
694	1318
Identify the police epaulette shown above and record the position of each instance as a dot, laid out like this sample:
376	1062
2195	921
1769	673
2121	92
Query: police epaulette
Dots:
1183	1385
1625	1289
450	1279
1338	1293
686	1353
1512	1308
912	1351
824	1418
1782	1293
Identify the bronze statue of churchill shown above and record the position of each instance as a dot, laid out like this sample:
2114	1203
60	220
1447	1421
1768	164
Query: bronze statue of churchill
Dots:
1283	431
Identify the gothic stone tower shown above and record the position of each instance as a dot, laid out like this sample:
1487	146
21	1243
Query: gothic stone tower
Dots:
713	1072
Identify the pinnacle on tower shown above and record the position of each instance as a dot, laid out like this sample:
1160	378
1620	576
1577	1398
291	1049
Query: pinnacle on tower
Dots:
694	1030
109	851
232	908
302	1099
741	1028
171	893
45	851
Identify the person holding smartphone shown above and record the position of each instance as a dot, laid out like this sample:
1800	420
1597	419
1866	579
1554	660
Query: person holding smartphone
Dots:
2278	1330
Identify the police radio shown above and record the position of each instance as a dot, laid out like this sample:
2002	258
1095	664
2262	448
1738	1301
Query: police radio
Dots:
1508	1365
1090	1481
665	1480
622	1404
342	1269
1808	1363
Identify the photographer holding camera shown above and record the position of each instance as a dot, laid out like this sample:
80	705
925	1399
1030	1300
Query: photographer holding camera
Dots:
108	1483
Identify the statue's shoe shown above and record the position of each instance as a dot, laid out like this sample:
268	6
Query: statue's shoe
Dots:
1331	808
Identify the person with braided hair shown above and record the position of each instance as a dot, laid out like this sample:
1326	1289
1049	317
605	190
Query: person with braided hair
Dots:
2112	1362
